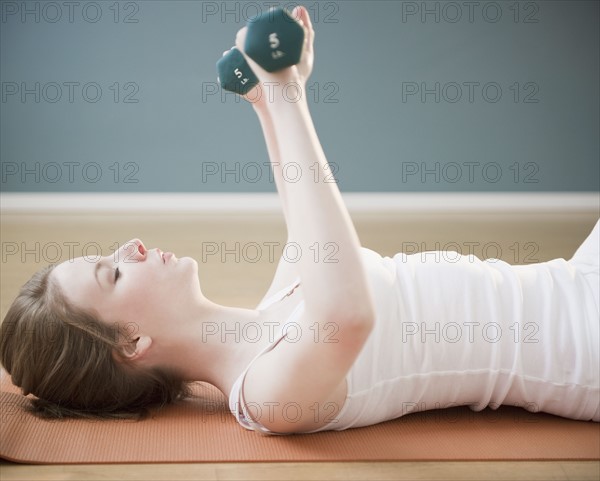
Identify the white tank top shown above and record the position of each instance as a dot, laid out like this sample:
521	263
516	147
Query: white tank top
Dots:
454	330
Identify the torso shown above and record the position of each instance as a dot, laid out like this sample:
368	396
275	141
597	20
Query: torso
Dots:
487	367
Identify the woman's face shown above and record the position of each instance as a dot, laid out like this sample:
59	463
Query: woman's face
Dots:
134	285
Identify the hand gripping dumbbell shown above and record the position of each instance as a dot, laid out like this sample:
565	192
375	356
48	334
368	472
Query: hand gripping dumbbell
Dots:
274	40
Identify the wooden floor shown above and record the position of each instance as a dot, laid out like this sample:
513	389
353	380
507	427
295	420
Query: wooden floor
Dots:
477	471
237	256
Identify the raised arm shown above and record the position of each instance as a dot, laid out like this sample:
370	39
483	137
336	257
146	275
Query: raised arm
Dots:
286	272
310	372
317	220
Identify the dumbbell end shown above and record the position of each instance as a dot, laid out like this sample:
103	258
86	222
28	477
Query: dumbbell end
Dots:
274	40
234	73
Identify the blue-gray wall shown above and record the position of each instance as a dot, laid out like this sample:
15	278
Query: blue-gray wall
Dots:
406	96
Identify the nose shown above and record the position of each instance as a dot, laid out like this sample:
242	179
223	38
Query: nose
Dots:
134	250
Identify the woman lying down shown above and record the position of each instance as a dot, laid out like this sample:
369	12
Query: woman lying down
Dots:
333	345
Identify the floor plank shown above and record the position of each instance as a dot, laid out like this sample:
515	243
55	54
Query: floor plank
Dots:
450	470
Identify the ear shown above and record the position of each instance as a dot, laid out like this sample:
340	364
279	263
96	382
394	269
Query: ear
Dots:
136	349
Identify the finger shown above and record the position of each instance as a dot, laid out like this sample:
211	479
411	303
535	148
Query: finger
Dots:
227	51
240	38
305	17
301	13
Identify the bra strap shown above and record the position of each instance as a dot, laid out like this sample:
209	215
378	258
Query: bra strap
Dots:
279	295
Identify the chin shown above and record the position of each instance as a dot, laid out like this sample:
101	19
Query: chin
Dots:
190	260
189	263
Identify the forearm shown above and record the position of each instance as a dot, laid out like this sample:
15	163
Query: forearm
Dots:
330	264
273	150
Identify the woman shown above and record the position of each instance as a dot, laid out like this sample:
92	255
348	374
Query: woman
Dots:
351	340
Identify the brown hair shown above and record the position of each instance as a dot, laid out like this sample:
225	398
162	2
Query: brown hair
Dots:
71	361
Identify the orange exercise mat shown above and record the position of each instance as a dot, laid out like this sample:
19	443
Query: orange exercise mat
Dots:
201	429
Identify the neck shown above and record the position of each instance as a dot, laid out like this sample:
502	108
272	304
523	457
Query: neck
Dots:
217	344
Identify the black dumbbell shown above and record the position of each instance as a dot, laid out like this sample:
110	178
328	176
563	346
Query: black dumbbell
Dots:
274	40
234	73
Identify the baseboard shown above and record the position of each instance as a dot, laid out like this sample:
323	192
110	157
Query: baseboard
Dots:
357	202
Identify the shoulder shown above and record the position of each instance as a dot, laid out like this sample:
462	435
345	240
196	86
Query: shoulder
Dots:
287	387
280	412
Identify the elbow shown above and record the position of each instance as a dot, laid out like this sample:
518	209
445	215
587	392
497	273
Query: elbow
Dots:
363	313
364	322
359	320
349	312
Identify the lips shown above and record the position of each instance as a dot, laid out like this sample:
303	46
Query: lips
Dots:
167	256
